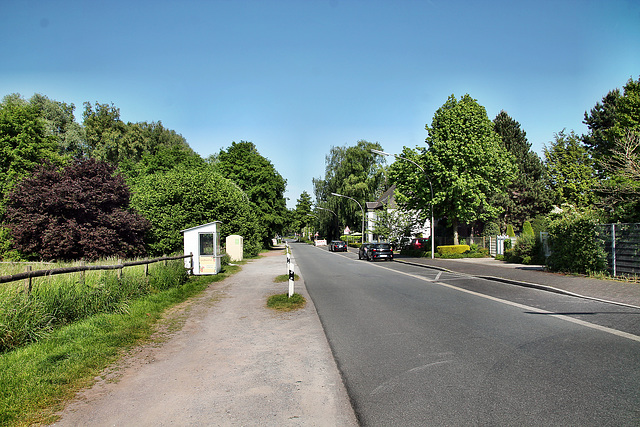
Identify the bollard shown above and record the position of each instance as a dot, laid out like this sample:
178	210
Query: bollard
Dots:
291	279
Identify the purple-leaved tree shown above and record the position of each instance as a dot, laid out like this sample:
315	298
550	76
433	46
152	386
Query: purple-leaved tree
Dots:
78	212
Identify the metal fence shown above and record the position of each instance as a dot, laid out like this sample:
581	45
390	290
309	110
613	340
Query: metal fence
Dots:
621	243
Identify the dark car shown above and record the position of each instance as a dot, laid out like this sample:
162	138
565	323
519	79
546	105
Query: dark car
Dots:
374	251
338	246
420	244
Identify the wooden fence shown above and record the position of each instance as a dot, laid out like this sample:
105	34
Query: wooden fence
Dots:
29	274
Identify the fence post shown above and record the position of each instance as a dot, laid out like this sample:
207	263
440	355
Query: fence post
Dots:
27	281
146	269
120	270
191	262
613	248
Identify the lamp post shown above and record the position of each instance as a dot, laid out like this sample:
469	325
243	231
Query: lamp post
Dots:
351	198
382	153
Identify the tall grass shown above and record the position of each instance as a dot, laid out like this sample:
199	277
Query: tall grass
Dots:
54	301
37	379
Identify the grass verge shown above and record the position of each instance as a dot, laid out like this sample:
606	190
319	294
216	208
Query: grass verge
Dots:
38	379
282	302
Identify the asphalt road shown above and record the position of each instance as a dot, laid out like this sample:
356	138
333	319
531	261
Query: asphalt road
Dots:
420	347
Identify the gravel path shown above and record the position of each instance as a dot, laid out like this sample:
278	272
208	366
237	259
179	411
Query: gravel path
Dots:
233	362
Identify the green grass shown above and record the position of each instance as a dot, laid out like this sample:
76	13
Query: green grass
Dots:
282	302
285	278
37	379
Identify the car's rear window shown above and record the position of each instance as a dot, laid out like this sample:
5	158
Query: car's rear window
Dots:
383	246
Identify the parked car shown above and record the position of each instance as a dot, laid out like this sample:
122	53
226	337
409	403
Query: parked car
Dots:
420	244
374	251
338	246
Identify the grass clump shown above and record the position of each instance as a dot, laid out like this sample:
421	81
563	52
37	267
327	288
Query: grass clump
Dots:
285	278
282	302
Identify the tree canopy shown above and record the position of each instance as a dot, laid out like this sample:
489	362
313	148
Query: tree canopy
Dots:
610	120
24	141
258	178
529	194
352	171
571	170
465	161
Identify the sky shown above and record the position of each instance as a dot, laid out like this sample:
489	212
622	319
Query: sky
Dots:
297	77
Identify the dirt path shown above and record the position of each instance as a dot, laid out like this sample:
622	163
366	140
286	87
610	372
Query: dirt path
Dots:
234	362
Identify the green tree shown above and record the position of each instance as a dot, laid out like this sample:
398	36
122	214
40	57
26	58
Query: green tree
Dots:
301	212
185	197
354	172
24	141
105	132
258	178
610	121
161	150
529	194
465	161
394	225
571	170
61	124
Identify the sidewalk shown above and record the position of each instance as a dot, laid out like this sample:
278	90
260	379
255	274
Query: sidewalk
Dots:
534	276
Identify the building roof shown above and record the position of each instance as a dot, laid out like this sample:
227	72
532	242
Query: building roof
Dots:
386	199
201	226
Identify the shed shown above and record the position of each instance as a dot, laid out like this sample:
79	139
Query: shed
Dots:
203	241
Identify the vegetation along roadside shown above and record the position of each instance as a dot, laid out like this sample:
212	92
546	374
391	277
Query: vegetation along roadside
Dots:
37	378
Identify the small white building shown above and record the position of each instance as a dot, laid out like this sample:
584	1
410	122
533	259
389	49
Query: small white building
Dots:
203	241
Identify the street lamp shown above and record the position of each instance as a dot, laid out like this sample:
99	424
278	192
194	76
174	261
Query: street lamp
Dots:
351	198
382	153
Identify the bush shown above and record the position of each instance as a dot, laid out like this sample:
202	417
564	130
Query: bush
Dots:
447	250
523	250
491	229
510	231
527	229
574	244
415	253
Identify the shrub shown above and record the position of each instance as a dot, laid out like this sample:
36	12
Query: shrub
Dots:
510	231
527	229
523	250
447	250
574	244
491	229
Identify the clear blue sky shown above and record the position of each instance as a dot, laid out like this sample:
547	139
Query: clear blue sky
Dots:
297	77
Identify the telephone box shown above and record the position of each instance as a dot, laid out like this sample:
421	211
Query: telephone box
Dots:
203	242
